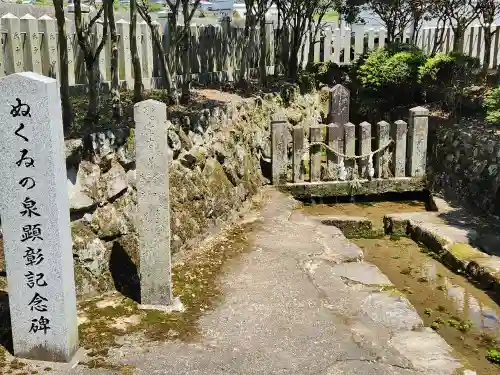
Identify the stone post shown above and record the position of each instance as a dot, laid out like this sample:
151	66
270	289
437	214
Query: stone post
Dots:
335	139
35	219
125	57
33	62
338	105
298	150
50	57
15	60
417	141
399	130
153	204
350	144
382	140
315	153
365	145
279	158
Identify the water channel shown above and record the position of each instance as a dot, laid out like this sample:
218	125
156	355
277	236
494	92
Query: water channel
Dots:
465	316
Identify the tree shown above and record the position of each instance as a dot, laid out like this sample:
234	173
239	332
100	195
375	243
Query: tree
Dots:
395	14
91	56
187	15
460	14
115	79
489	10
67	116
136	61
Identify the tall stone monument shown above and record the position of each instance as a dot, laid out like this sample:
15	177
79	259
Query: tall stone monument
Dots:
35	219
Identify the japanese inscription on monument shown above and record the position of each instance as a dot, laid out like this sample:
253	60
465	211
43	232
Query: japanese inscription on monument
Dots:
35	219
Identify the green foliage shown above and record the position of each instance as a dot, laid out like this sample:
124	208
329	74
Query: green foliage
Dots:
445	68
493	356
387	78
492	106
327	73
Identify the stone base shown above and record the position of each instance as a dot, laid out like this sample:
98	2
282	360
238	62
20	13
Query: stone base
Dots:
306	190
176	306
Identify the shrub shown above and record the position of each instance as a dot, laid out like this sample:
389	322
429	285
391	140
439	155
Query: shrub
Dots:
387	79
493	356
445	75
492	106
327	73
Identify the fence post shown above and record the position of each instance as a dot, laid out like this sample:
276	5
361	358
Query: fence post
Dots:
315	153
365	146
33	62
279	143
327	50
350	145
125	58
359	42
71	56
399	131
335	140
298	149
14	45
347	45
103	66
49	55
337	45
383	128
147	54
418	125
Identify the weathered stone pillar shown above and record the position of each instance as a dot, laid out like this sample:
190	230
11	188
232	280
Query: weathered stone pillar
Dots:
417	141
279	158
315	153
399	130
298	150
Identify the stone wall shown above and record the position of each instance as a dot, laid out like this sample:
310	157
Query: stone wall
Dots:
464	164
219	158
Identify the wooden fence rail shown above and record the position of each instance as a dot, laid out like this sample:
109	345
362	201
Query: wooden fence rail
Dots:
30	44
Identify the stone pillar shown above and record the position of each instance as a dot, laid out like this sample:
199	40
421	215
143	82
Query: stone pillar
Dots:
365	147
335	139
380	157
14	51
399	130
50	57
35	219
33	62
417	141
279	158
298	150
315	153
350	144
338	105
153	203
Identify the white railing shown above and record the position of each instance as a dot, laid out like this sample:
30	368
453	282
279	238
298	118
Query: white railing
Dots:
30	44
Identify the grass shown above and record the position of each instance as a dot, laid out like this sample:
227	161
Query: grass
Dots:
330	16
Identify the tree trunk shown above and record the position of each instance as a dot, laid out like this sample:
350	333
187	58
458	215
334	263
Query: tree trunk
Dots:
488	37
458	41
244	76
186	54
277	45
263	43
63	65
293	65
115	80
136	62
94	82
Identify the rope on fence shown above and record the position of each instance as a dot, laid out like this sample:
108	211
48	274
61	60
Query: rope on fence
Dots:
342	171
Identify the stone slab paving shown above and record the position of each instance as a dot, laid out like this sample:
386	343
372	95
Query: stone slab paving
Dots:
301	302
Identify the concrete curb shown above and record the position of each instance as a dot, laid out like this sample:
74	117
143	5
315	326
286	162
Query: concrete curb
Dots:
458	256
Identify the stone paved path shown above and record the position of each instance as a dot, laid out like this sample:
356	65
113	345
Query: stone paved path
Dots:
301	302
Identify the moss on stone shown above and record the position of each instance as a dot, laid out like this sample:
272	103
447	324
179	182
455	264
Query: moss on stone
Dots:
196	283
131	141
463	251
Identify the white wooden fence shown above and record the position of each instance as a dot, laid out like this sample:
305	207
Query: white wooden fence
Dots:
30	44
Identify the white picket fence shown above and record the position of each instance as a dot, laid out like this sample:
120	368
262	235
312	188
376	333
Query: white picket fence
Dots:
30	44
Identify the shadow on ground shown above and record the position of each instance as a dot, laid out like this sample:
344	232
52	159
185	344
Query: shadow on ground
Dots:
124	273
